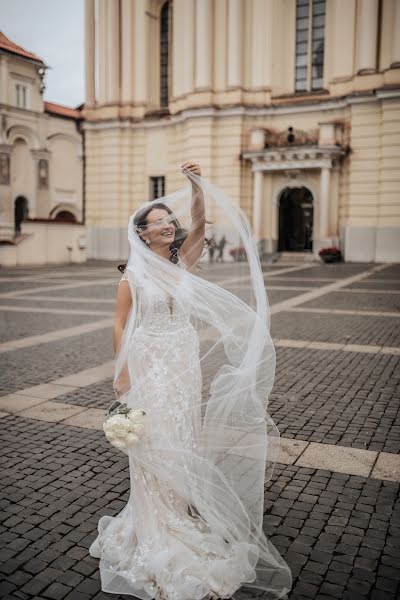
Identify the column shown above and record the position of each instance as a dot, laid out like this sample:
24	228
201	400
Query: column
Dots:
188	46
367	34
343	37
139	52
90	52
257	202
324	203
261	43
204	38
395	61
127	52
102	49
113	52
235	43
177	48
220	44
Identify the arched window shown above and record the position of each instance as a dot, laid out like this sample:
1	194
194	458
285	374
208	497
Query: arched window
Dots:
165	39
66	216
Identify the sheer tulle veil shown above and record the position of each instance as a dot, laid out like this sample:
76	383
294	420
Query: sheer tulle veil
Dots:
222	475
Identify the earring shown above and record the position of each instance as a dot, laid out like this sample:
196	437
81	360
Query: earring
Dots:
148	242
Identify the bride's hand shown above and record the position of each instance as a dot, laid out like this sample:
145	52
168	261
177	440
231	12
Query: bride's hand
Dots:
122	385
192	167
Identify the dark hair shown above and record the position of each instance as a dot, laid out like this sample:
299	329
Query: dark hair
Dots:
140	223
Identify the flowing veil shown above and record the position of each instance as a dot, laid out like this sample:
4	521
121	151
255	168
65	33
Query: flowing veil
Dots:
219	470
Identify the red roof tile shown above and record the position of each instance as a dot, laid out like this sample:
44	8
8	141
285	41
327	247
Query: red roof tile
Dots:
6	44
63	111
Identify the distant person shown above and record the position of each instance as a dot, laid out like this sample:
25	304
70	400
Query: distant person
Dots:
222	243
212	245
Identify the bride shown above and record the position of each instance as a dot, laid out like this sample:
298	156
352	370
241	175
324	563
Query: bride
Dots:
198	363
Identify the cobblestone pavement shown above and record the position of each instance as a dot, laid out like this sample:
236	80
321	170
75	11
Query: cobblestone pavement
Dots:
336	388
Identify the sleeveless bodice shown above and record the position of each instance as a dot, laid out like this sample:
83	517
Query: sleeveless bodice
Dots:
161	313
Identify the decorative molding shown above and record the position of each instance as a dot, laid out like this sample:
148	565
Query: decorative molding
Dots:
68	137
24	132
241	111
383	94
5	148
67	206
289	158
41	154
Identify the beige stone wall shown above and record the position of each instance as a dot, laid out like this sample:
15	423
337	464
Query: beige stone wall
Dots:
46	243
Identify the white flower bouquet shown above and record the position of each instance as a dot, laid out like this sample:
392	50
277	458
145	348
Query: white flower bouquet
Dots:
123	426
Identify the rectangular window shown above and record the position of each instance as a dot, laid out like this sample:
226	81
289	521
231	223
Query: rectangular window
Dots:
165	44
21	95
157	187
310	39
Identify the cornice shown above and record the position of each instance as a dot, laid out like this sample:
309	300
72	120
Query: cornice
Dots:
243	112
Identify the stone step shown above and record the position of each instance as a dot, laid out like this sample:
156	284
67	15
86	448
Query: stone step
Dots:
297	257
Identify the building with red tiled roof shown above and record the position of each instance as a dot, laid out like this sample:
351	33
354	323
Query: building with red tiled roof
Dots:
41	167
62	111
8	46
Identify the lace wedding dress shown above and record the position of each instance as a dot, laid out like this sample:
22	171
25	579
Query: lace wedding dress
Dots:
156	547
201	365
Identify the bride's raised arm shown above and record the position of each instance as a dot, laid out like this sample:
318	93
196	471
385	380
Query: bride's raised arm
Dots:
192	248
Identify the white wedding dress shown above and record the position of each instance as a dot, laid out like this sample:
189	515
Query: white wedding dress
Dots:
200	362
157	547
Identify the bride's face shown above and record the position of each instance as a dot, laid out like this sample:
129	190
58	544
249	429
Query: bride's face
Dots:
160	229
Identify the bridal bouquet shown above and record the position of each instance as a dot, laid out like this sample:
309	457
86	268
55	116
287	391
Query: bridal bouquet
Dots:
123	426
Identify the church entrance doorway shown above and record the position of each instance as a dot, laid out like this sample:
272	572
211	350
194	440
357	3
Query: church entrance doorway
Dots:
295	220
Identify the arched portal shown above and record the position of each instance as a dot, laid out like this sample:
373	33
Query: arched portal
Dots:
295	220
20	212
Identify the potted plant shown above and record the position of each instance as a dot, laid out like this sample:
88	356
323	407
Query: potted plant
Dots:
331	254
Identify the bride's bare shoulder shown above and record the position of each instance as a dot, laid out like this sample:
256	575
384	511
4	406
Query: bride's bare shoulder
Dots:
124	277
123	298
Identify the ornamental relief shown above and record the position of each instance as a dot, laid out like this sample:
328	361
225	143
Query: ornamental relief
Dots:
291	137
334	133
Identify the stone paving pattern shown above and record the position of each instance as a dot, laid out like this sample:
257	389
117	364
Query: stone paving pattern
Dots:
357	301
32	366
16	325
345	398
97	395
59	304
322	327
339	533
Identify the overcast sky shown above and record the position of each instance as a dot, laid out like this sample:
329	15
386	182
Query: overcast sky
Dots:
52	29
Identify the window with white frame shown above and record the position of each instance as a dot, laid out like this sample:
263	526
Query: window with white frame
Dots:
157	187
310	40
22	95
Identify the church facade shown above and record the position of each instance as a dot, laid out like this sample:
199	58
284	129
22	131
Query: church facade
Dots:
291	106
